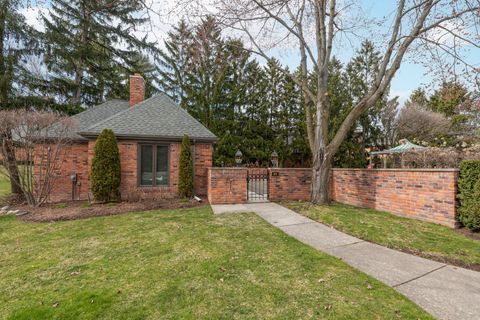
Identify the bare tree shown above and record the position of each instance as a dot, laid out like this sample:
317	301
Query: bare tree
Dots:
41	138
317	26
417	123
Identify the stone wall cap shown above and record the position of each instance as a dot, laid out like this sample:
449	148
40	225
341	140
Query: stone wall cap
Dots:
227	168
288	169
400	170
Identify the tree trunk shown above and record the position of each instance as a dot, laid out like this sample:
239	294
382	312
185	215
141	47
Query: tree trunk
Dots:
11	166
321	182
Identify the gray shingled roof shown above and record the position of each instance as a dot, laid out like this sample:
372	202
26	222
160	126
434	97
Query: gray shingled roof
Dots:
156	117
91	116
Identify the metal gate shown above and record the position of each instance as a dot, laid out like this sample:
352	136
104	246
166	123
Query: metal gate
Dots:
257	185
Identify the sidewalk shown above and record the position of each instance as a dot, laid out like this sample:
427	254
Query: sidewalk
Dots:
445	291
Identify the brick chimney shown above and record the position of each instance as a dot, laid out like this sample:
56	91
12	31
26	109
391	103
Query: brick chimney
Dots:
137	89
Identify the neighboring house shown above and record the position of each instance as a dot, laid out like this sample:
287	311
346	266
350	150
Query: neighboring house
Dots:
149	134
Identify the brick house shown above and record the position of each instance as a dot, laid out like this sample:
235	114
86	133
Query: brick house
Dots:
149	134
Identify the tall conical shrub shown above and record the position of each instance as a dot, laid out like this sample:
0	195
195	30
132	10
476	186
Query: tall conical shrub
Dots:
185	175
469	194
105	172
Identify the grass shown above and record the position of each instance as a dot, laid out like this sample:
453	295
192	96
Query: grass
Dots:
422	238
4	183
180	264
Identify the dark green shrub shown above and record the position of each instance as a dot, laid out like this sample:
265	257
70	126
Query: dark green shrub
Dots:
105	173
185	175
469	194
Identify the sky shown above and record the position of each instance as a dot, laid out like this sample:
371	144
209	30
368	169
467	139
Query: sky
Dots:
409	77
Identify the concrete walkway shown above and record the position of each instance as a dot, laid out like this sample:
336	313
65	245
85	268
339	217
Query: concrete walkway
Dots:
445	291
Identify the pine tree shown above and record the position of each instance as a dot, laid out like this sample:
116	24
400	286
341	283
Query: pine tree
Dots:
174	63
419	97
105	175
185	173
448	98
350	154
361	72
85	45
17	41
118	86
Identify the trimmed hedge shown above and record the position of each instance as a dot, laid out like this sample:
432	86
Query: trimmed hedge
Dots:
469	194
185	175
105	173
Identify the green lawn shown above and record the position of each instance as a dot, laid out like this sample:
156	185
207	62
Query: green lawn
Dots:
4	183
423	238
176	264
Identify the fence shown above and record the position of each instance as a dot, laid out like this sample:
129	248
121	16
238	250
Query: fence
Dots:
424	194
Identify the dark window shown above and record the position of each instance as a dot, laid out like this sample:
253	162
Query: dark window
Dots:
153	165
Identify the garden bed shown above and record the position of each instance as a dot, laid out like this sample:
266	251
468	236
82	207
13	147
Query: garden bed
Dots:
83	209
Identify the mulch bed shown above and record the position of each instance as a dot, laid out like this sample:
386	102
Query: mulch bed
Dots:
451	261
468	233
82	209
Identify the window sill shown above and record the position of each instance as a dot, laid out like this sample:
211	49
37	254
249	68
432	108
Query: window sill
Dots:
154	187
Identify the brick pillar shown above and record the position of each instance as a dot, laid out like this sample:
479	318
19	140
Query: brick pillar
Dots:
137	89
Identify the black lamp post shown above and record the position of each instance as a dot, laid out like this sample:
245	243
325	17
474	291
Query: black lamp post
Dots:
238	158
274	159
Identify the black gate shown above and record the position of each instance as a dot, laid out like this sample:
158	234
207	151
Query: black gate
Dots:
257	185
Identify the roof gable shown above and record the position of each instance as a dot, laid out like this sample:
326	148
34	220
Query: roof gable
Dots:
157	117
90	116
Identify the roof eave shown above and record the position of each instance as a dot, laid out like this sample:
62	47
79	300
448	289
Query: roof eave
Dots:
90	135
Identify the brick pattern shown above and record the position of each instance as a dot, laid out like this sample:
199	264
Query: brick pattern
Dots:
290	184
79	158
227	185
74	160
137	89
420	194
203	160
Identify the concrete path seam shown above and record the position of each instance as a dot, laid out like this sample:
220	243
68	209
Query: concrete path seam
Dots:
420	276
348	244
293	224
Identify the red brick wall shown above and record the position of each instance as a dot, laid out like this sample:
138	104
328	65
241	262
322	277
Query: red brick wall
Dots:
79	158
227	185
420	194
203	160
74	160
290	184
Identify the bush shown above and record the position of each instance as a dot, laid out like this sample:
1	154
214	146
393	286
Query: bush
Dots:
469	194
185	175
105	173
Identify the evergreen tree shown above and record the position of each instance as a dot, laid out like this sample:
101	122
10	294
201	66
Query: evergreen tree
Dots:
351	154
174	63
448	97
88	41
252	108
419	97
185	174
361	73
118	86
17	42
105	173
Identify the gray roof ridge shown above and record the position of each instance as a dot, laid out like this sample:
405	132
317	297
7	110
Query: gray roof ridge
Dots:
119	113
